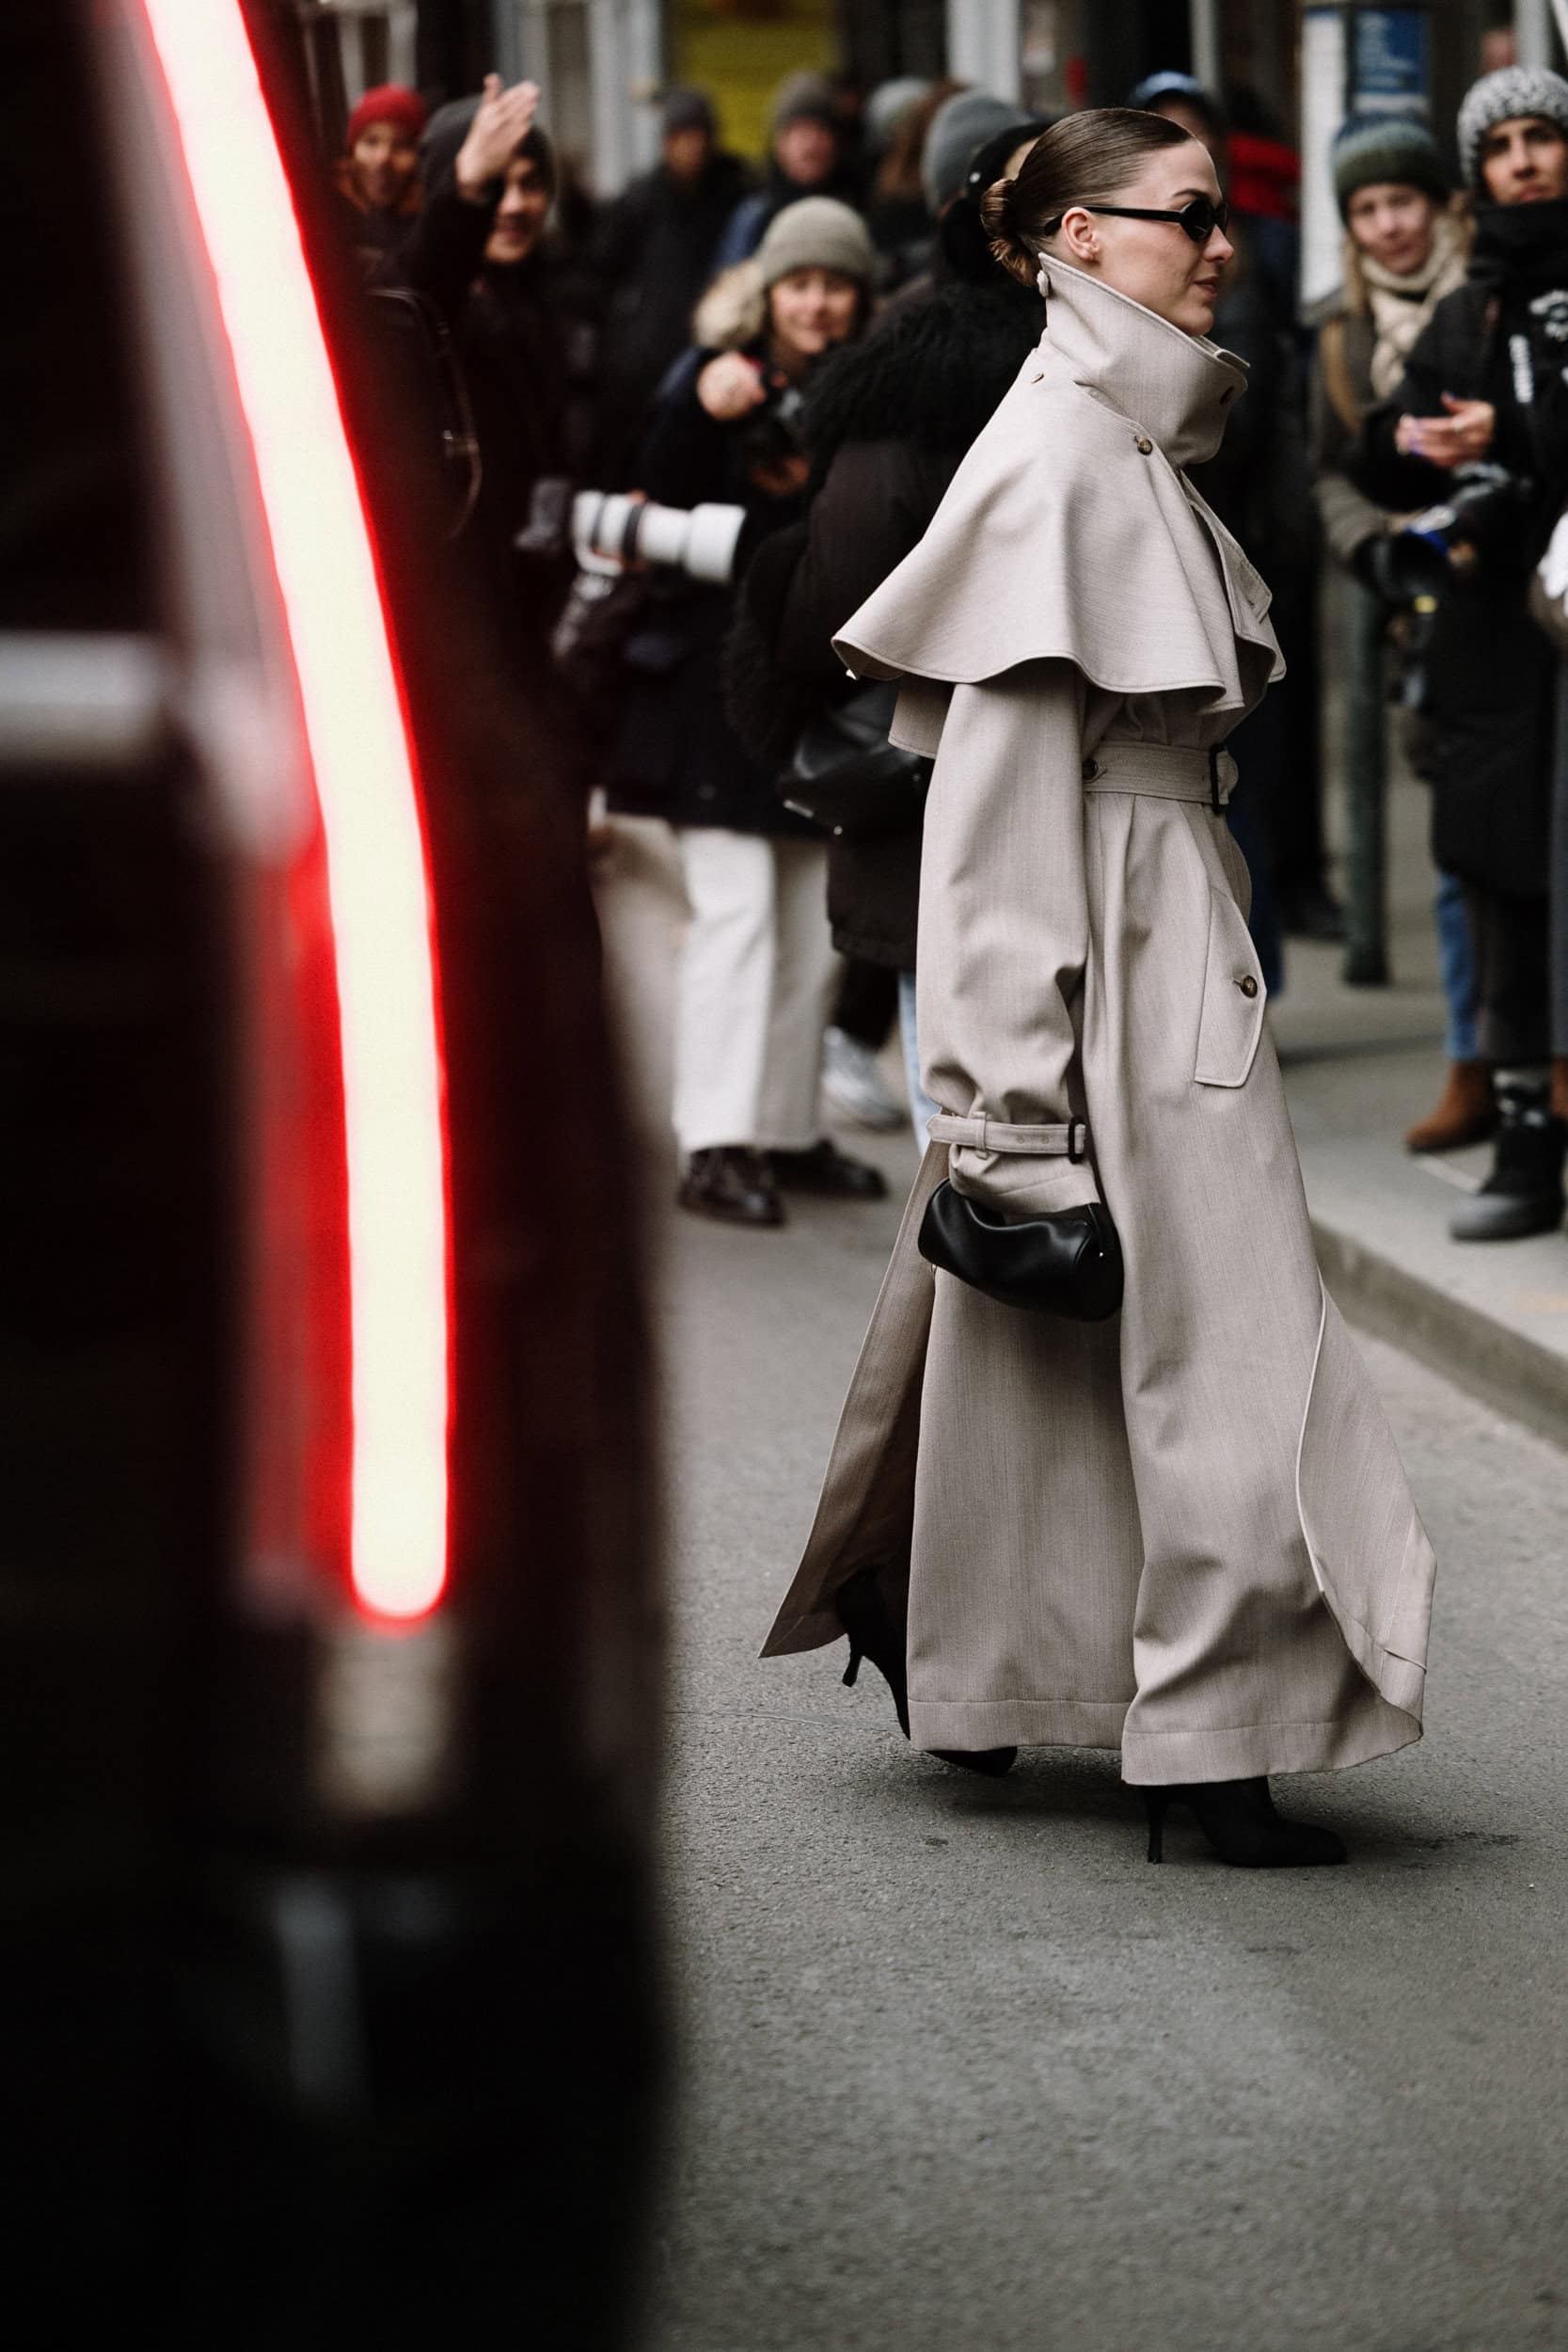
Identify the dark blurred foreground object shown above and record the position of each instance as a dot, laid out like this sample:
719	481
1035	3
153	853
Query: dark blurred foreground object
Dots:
331	1662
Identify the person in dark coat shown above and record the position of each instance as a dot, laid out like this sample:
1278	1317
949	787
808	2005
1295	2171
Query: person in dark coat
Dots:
757	968
654	249
806	157
475	254
1484	386
1407	244
886	423
377	178
898	211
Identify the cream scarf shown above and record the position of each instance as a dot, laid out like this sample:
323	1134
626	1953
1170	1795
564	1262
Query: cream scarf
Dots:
1401	307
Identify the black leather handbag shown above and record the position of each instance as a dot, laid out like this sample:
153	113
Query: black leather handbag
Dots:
848	778
1064	1263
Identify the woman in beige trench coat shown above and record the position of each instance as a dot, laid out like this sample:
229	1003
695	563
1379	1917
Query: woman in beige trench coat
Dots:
1186	1531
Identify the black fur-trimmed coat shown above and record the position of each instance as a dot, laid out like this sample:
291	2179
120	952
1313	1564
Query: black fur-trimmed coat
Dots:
887	422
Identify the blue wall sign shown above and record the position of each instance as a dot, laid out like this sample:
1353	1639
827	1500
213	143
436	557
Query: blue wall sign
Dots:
1389	64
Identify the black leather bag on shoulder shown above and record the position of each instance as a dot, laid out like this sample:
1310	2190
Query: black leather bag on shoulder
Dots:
1066	1263
846	778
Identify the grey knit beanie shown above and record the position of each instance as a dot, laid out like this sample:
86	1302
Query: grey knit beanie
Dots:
1503	97
802	98
686	110
817	232
1370	149
886	108
957	130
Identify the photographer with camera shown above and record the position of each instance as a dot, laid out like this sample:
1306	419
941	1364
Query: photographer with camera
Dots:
758	967
1476	434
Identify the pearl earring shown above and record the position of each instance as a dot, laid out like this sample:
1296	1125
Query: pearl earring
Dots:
1041	280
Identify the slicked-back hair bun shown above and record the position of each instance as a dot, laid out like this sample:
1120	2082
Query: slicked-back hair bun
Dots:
1087	158
996	213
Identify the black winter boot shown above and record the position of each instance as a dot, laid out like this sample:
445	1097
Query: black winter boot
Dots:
731	1181
1522	1194
826	1170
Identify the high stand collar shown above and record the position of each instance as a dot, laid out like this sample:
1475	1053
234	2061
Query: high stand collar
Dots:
1178	388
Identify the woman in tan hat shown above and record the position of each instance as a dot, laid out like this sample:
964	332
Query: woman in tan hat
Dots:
1182	1532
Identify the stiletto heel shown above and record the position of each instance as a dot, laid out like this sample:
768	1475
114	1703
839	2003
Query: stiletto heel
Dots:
873	1632
1238	1819
868	1621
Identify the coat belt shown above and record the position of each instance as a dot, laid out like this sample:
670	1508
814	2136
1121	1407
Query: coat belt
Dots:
996	1134
1162	771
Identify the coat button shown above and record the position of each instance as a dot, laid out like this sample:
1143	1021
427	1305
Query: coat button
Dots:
1146	446
1092	770
1247	985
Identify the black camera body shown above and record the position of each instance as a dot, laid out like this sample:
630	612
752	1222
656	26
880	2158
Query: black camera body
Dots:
772	432
1485	519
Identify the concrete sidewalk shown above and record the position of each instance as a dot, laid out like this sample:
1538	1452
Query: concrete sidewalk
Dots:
1360	1066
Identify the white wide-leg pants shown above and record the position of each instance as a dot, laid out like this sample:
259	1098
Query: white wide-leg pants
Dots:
753	992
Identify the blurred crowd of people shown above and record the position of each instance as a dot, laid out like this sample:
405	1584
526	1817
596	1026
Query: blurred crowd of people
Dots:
815	345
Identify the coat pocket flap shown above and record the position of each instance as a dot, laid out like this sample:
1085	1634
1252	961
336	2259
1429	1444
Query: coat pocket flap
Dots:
1231	1022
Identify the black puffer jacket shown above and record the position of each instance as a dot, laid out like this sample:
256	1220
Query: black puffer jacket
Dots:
887	422
1490	675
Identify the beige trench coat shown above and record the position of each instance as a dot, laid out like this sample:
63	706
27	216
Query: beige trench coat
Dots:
1185	1533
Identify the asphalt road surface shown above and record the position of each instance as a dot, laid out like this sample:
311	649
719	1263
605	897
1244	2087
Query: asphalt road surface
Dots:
960	2073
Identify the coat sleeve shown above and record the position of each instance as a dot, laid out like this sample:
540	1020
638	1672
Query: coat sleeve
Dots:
1399	483
441	255
1004	929
683	459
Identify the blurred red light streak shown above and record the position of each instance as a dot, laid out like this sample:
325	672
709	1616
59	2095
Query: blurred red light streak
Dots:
363	764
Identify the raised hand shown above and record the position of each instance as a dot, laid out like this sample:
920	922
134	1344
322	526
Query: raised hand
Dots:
731	386
504	119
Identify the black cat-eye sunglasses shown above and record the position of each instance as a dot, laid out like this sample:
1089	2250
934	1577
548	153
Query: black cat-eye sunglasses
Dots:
1198	220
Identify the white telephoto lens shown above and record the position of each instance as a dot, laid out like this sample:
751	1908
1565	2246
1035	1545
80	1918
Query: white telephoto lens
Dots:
711	544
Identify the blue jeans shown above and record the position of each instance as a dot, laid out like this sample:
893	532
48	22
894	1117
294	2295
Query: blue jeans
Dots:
1456	960
921	1105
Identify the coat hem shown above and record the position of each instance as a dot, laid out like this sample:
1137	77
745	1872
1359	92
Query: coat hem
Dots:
1249	1752
1017	1723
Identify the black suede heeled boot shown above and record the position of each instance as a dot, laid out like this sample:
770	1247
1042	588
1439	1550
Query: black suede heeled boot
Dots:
1238	1819
1522	1194
868	1621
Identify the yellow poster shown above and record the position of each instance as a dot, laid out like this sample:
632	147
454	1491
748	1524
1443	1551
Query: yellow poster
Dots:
739	51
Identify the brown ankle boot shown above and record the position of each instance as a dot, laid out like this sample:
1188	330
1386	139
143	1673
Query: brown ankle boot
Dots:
1466	1111
1559	1086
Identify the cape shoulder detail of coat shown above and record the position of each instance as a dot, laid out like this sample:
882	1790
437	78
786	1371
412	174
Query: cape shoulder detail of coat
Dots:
1067	534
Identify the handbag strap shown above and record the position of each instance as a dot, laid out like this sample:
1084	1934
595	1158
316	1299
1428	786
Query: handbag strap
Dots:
996	1134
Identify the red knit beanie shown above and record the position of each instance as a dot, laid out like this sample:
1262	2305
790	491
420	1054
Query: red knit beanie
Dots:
390	104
